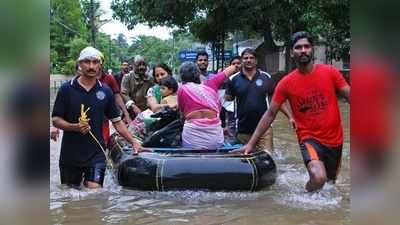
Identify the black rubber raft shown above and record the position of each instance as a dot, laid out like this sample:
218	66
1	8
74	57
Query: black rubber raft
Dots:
165	169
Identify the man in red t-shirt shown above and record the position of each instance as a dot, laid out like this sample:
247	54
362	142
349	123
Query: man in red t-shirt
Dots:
110	81
311	91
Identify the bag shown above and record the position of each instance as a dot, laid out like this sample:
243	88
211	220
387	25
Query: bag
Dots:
169	136
161	119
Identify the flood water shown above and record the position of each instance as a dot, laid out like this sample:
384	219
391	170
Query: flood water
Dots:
284	203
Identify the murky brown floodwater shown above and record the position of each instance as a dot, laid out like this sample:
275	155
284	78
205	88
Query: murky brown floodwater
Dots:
285	203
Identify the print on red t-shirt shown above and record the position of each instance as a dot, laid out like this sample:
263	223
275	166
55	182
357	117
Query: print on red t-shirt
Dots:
313	102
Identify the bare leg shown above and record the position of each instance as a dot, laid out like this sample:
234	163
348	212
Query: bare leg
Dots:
317	173
92	185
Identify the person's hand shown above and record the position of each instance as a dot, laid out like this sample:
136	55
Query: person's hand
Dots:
246	149
127	119
173	105
136	110
84	128
54	133
137	147
230	70
293	123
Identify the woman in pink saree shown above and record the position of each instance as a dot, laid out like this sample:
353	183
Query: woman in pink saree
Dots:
200	106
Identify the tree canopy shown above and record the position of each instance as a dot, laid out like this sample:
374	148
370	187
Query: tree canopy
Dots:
275	20
70	32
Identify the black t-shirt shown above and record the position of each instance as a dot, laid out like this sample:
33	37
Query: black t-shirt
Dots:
78	149
252	98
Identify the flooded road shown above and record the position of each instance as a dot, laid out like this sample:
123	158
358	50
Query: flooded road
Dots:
284	203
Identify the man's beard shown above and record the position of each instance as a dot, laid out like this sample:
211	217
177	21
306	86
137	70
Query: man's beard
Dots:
203	67
304	61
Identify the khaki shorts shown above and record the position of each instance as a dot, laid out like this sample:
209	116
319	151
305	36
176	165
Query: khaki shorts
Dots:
264	143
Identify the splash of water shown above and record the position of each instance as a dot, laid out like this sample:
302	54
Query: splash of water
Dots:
291	191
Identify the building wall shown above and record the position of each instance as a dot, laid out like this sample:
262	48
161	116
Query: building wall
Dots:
274	62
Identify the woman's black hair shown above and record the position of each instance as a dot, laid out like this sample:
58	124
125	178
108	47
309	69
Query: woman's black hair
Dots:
233	58
189	72
170	83
164	67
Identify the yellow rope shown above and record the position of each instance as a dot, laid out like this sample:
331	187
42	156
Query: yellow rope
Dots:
85	120
118	145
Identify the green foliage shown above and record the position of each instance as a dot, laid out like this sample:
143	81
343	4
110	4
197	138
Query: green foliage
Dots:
66	24
69	34
53	56
92	18
69	67
156	50
75	47
211	20
153	12
207	20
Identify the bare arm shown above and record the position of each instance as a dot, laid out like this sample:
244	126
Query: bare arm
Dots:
262	126
120	103
123	131
153	104
229	71
345	93
285	109
62	124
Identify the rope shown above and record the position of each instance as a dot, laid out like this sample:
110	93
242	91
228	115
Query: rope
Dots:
109	162
85	120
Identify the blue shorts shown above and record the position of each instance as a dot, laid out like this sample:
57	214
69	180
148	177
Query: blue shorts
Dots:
73	175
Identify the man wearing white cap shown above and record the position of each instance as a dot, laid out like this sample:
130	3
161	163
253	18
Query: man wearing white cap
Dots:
79	109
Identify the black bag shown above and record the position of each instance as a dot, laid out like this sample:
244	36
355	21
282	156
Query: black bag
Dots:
169	136
166	116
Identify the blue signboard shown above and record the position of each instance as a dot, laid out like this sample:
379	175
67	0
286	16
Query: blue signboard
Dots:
190	55
187	55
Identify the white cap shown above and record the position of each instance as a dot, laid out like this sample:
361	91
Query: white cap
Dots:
90	52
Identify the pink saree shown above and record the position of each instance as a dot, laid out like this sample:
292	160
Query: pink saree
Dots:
201	133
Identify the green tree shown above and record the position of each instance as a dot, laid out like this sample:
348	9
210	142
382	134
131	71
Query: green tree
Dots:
75	46
211	20
66	24
122	47
153	49
92	17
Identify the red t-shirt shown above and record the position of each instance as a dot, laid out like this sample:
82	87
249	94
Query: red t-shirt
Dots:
110	81
314	104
